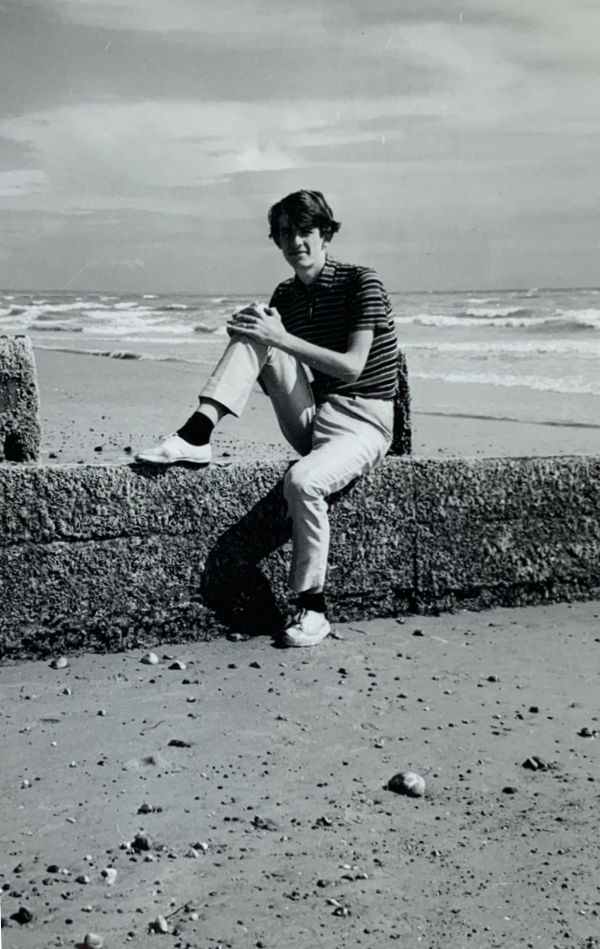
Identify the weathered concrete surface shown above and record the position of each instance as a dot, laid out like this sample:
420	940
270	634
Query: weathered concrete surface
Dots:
108	557
506	531
20	432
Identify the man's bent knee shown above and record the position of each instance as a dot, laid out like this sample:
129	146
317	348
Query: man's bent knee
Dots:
300	481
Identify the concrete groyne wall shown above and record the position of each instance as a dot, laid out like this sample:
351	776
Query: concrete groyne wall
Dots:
108	557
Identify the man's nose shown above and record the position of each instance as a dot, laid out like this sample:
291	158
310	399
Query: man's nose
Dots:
296	238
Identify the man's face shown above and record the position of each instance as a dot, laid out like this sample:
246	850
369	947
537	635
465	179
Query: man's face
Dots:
305	251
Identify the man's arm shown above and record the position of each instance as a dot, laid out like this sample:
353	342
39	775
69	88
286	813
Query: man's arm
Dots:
264	325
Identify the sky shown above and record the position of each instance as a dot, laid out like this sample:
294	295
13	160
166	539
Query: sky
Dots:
143	141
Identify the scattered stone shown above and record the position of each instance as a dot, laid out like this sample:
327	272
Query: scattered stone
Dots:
509	789
178	665
586	732
67	691
200	845
255	665
534	709
101	712
82	878
264	823
141	842
160	925
323	822
179	743
22	916
53	868
25	783
61	662
535	763
407	782
146	809
93	941
418	632
493	678
150	659
110	875
341	911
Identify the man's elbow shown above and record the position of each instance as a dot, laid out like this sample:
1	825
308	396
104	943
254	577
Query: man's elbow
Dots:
350	375
352	371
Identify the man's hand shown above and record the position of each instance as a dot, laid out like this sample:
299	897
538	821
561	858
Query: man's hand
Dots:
262	323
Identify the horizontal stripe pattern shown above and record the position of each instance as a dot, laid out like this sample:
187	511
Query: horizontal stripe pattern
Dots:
343	299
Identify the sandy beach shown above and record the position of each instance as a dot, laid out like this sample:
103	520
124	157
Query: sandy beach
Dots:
243	798
96	409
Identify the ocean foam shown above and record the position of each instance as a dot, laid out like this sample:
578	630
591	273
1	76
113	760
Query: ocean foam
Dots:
570	386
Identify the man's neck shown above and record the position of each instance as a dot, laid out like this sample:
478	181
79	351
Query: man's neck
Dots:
309	276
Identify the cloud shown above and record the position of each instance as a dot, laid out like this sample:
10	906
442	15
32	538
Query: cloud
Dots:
234	19
125	148
20	181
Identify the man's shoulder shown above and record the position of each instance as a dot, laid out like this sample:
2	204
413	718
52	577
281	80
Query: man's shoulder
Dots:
286	286
353	272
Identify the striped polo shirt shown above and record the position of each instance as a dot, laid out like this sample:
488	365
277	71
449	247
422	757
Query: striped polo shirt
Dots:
344	298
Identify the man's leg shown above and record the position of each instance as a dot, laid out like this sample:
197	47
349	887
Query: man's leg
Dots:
350	437
226	392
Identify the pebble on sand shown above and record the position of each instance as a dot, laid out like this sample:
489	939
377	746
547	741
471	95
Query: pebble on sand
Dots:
61	662
535	763
141	842
407	782
178	665
160	925
22	916
110	875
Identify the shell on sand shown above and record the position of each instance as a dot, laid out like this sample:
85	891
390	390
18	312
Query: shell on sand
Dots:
407	782
150	659
93	941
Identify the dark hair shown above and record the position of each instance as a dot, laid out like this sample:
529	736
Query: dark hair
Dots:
306	210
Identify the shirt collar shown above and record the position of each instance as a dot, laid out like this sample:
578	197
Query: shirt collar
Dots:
323	281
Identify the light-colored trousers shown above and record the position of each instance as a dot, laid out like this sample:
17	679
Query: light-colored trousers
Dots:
340	439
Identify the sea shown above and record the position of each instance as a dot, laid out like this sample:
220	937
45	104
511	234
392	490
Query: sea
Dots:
541	339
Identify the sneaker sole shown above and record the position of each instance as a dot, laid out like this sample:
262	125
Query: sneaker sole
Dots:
290	641
167	461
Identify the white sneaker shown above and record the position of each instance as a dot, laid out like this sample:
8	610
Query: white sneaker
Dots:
308	628
175	449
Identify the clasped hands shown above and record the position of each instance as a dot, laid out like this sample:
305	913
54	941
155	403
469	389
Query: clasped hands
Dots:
259	322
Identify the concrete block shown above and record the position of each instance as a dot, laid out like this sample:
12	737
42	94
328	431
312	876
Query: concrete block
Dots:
104	557
506	531
107	557
20	431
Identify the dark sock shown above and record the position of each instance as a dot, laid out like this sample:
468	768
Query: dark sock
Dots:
312	601
197	430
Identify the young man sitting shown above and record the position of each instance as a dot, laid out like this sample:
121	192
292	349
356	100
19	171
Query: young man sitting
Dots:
325	352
